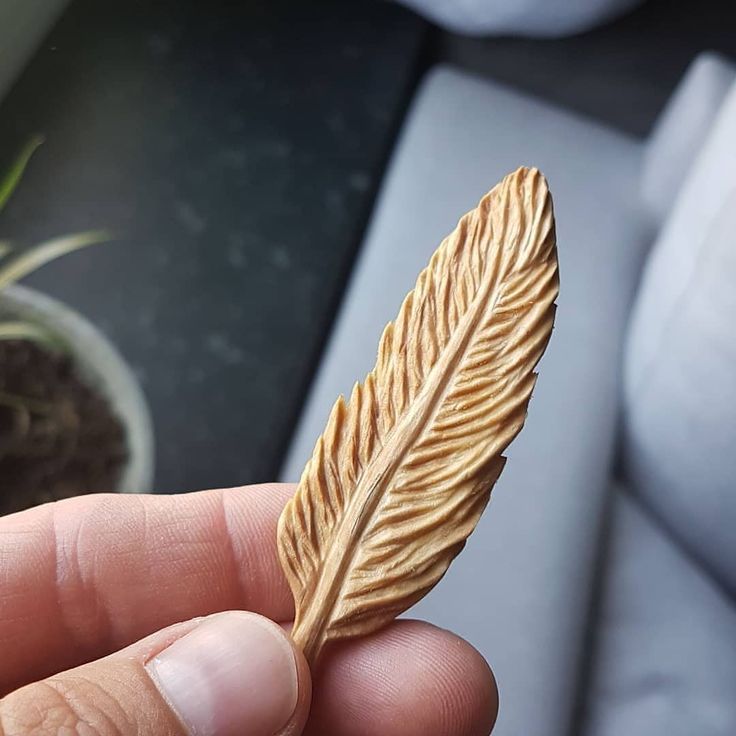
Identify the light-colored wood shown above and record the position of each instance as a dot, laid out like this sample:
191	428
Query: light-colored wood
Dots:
404	469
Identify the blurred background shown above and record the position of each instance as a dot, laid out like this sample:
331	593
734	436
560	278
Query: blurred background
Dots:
271	178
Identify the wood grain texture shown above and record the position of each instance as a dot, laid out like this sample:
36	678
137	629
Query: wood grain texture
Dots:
404	469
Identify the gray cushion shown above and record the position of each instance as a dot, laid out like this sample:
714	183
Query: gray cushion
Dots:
520	590
665	661
681	130
680	369
523	17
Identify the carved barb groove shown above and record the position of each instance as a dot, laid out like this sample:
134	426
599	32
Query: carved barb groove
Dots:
404	469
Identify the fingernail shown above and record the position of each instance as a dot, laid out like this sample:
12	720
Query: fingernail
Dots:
235	673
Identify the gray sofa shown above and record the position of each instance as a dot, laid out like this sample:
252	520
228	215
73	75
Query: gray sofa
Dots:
603	573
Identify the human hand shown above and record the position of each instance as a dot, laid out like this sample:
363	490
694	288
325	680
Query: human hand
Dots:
85	583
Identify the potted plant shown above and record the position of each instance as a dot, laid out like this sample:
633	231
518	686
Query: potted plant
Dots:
73	418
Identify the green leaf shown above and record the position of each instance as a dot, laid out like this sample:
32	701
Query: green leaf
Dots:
27	261
21	330
5	247
11	180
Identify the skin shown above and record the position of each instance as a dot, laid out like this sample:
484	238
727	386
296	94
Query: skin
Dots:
85	578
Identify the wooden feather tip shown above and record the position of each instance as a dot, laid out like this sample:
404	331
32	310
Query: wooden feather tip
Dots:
404	469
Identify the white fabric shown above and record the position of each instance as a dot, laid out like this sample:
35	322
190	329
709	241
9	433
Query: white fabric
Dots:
680	368
665	660
681	130
520	590
520	17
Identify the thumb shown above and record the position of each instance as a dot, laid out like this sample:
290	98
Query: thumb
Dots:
231	673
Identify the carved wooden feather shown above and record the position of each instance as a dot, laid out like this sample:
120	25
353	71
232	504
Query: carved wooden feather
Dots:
405	468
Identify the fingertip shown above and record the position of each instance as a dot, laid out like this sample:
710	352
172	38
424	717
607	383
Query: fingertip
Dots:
461	694
480	696
298	720
226	674
407	680
234	671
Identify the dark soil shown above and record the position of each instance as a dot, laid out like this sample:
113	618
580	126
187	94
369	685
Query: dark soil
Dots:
58	437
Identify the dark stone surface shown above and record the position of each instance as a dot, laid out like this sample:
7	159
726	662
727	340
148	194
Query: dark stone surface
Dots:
621	73
235	149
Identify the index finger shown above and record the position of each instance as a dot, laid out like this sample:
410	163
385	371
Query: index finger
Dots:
84	577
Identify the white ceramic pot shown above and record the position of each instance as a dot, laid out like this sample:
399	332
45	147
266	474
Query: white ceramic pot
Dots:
103	369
